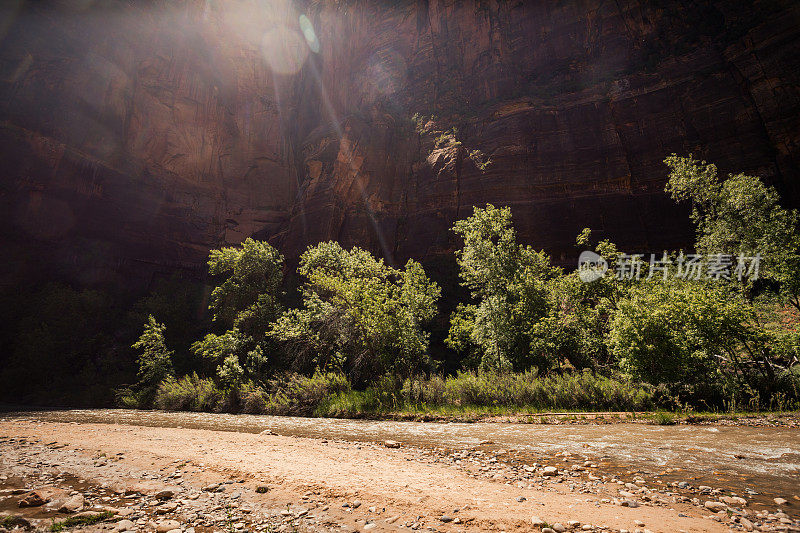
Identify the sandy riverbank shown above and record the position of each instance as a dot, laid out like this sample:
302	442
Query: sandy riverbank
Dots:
320	483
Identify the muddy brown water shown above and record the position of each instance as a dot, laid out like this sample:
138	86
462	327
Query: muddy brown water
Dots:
745	460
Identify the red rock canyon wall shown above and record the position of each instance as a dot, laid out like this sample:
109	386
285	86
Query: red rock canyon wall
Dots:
135	136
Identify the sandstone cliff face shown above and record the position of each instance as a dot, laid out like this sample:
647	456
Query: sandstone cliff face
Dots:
136	137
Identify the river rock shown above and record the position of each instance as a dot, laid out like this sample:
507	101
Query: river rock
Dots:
537	522
746	524
165	495
780	501
34	499
715	506
550	471
125	525
167	525
391	444
558	527
167	508
548	530
72	505
734	500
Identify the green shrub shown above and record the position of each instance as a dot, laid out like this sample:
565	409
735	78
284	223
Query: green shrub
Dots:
253	399
578	390
421	391
664	419
691	336
189	393
351	404
295	394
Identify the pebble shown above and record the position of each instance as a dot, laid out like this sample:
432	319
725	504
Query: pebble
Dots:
33	499
715	506
73	504
550	471
125	525
734	500
167	508
168	525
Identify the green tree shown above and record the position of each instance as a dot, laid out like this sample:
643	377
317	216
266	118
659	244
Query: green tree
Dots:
579	313
508	283
359	315
692	335
70	333
740	215
247	301
249	297
155	360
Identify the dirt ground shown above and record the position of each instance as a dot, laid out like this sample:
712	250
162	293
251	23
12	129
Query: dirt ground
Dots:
396	488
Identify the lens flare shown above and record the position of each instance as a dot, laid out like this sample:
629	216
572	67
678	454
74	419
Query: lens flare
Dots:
284	50
308	32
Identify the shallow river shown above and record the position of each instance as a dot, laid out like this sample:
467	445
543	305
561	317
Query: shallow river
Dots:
763	460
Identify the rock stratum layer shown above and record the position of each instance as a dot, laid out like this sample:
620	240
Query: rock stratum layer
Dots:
135	136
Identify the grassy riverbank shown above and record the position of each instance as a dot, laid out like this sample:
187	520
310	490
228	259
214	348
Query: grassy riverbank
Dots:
571	397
